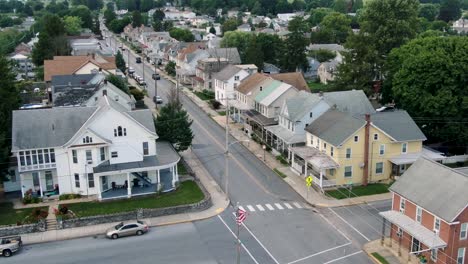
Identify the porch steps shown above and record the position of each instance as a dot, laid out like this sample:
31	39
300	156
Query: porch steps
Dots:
143	178
51	224
51	220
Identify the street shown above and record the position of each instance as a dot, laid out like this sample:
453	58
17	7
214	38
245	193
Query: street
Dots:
280	227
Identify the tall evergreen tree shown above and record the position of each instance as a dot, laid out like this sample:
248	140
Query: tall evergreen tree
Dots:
120	62
137	20
254	53
294	56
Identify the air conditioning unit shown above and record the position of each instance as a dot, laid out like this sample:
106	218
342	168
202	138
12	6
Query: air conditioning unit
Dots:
361	165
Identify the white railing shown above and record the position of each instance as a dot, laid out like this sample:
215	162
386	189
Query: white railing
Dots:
37	167
325	183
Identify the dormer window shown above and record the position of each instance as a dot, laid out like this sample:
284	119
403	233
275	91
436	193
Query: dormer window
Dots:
120	132
236	78
87	139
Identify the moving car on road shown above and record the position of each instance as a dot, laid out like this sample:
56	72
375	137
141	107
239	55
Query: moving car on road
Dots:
9	245
131	70
138	59
157	99
156	76
127	229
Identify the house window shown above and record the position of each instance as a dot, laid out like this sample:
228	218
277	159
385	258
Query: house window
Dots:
102	153
22	159
348	153
90	180
331	151
145	148
419	214
49	180
120	132
382	150
310	114
437	225
404	147
348	171
46	156
434	254
114	154
399	232
379	168
463	231
52	155
236	78
40	157
324	145
376	136
312	140
318	142
461	256
356	138
75	156
77	180
87	139
89	156
402	205
34	157
28	157
332	172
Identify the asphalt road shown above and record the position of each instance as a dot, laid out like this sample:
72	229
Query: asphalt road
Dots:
280	227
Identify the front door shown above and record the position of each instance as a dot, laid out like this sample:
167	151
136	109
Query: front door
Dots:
104	183
415	245
49	181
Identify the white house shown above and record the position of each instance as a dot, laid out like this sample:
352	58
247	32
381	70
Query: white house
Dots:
244	27
227	80
104	150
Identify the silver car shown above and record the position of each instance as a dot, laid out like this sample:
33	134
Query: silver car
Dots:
127	229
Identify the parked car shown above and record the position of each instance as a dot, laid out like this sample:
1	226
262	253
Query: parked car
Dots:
10	245
138	60
157	99
131	70
127	229
156	76
141	81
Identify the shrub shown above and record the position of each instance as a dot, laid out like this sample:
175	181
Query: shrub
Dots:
29	198
137	94
282	159
215	104
68	196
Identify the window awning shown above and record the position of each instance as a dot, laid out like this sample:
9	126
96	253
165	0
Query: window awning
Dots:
315	157
410	158
286	135
415	229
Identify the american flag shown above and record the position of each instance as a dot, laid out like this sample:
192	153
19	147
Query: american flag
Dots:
240	216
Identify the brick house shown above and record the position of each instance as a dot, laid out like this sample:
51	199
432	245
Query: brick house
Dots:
429	215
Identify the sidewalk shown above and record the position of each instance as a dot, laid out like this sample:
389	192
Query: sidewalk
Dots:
389	251
312	196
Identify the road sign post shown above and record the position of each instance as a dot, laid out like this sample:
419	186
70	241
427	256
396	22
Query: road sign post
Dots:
309	181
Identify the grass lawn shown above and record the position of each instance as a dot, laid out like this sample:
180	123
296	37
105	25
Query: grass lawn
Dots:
380	258
282	175
181	168
343	193
188	193
317	87
204	96
222	113
10	216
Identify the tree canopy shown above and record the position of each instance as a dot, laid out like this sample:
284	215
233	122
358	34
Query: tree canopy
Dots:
429	79
72	25
295	46
181	34
52	40
120	62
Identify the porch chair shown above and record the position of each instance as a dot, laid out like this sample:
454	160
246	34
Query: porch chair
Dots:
114	186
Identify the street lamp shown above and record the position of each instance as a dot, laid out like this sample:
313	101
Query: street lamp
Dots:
264	149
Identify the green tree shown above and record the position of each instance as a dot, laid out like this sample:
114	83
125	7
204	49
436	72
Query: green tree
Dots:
385	24
336	27
137	20
428	79
450	10
340	6
212	30
428	11
174	125
72	25
109	16
52	40
120	62
181	34
84	13
322	55
10	101
317	15
294	56
158	26
237	39
170	68
272	47
229	25
118	82
146	5
356	5
158	15
254	53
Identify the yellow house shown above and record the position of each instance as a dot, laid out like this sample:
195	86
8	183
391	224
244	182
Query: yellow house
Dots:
342	148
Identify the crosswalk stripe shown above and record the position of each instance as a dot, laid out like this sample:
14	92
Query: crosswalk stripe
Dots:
288	206
251	208
242	208
270	207
260	207
297	205
279	206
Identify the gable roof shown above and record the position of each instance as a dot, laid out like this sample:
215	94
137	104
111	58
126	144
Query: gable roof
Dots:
144	117
72	79
435	187
398	124
63	65
43	128
267	90
295	79
227	73
300	105
335	127
353	101
232	54
250	82
276	93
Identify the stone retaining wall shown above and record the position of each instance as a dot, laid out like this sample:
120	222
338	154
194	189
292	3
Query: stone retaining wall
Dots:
22	229
139	214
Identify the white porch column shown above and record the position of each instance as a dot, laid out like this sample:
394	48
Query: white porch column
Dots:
98	185
177	172
305	164
173	176
129	186
321	177
40	182
22	186
158	179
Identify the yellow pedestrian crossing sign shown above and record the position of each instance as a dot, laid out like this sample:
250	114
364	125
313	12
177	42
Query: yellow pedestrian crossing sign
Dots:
309	181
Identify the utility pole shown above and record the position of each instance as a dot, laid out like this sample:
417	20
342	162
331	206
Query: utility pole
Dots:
143	53
156	84
226	157
177	86
128	56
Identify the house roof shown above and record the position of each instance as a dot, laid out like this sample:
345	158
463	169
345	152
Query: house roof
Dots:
232	54
353	101
43	128
72	79
63	65
274	95
300	105
398	124
295	79
331	47
144	117
227	73
250	82
435	187
270	88
335	127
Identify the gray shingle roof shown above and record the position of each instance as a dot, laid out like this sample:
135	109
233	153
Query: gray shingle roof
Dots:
354	101
72	79
43	128
232	54
435	187
398	124
144	117
300	105
228	72
335	127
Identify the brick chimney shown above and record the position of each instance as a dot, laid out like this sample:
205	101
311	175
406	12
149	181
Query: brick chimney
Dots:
365	171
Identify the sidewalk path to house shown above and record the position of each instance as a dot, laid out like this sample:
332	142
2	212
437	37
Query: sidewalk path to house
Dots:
311	195
220	203
386	252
